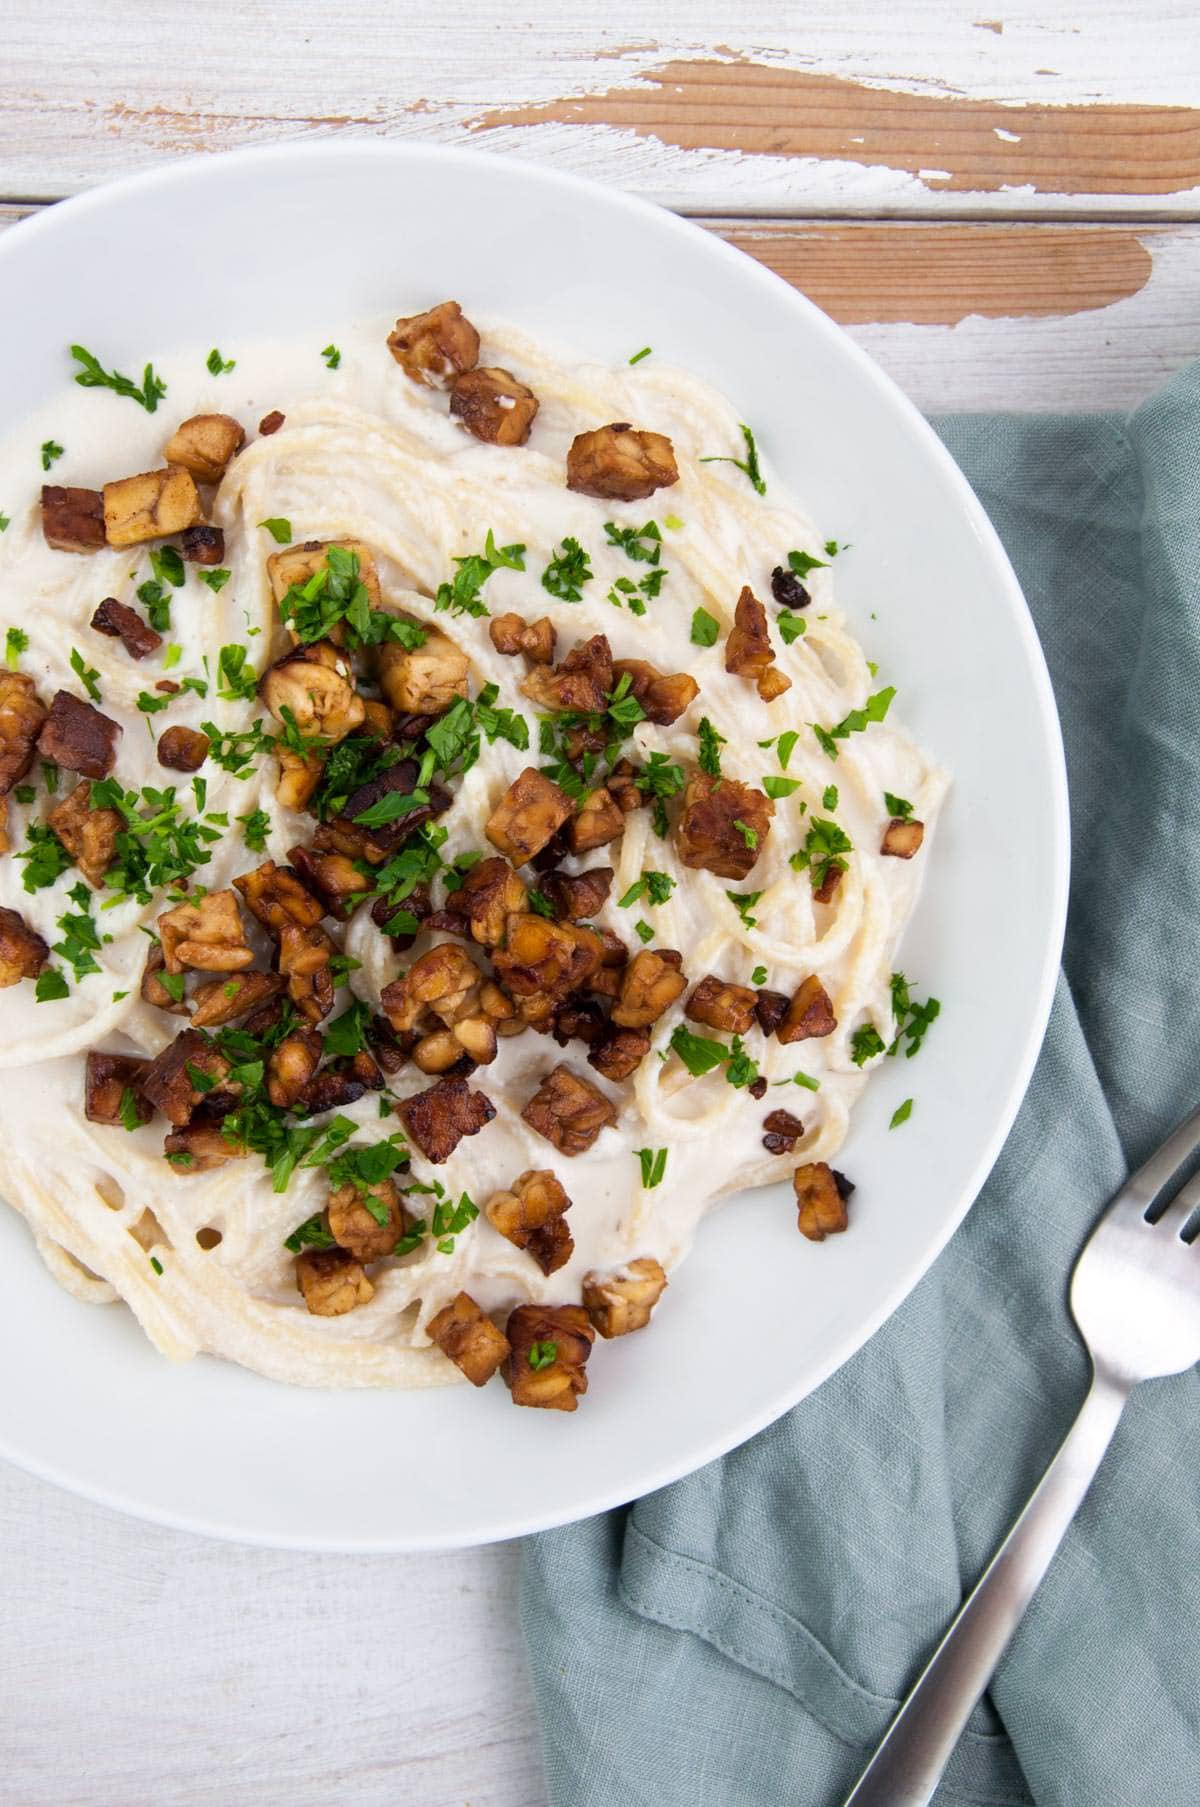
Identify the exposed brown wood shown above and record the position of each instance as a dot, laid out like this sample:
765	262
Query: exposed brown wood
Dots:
980	145
937	275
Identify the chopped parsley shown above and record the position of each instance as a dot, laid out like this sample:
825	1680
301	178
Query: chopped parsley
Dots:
743	902
701	1055
216	580
255	828
150	704
705	628
711	743
156	846
832	548
654	1165
238	681
156	1264
644	933
912	1020
659	779
824	845
643	353
311	1234
94	376
128	1110
5	521
16	641
80	942
51	986
749	835
332	357
785	747
237	751
748	465
829	797
805	1079
172	657
542	1355
642	544
803	562
791	626
865	1044
279	529
24	793
461	596
336	593
759	976
216	365
167	564
901	1114
875	710
88	676
897	807
776	788
540	904
657	886
567	572
45	857
450	1220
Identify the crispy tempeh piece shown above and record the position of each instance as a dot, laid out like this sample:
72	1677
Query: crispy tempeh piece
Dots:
72	519
435	346
204	445
902	837
203	545
748	650
169	1083
529	814
221	1001
120	622
810	1014
707	833
182	749
208	936
423	680
493	405
107	1078
623	1300
22	713
821	1194
621	461
597	821
531	1215
78	737
438	1119
663	695
315	684
472	1342
720	1004
568	1111
549	1348
23	953
650	984
512	634
620	1053
151	506
332	1282
355	1225
89	835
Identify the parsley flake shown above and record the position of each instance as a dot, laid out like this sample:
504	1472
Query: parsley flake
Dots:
51	453
705	628
567	572
748	465
216	365
16	641
654	1165
901	1114
279	529
94	376
88	676
332	357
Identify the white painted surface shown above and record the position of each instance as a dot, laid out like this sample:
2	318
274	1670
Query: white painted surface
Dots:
143	1666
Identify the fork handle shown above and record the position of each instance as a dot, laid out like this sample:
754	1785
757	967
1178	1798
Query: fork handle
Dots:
909	1763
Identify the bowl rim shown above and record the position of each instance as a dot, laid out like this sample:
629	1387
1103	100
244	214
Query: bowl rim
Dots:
58	216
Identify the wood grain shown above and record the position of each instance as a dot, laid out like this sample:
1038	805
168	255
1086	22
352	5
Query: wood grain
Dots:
938	275
964	145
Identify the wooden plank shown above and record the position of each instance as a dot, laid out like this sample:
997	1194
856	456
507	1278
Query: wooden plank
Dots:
808	111
963	145
274	1676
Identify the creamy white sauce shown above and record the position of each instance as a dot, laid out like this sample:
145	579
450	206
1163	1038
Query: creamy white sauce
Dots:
369	454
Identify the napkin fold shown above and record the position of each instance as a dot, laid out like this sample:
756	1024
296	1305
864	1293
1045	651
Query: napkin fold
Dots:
743	1638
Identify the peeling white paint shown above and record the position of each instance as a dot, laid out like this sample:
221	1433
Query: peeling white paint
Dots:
1007	137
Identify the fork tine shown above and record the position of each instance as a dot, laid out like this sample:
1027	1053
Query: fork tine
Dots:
1180	1208
1143	1187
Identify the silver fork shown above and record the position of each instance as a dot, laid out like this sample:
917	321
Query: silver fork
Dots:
1135	1297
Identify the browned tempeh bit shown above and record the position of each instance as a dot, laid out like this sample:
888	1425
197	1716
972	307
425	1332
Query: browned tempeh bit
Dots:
120	622
78	737
493	405
621	461
470	1339
549	1348
568	1111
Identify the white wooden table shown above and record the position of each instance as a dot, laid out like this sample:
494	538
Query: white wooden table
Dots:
1005	210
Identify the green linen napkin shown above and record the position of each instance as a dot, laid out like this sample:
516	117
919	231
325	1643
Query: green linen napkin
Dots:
742	1638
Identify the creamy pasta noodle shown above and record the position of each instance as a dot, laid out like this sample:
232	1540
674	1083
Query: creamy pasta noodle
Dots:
451	838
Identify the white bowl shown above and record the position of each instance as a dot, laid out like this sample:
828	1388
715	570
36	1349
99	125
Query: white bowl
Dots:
222	248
